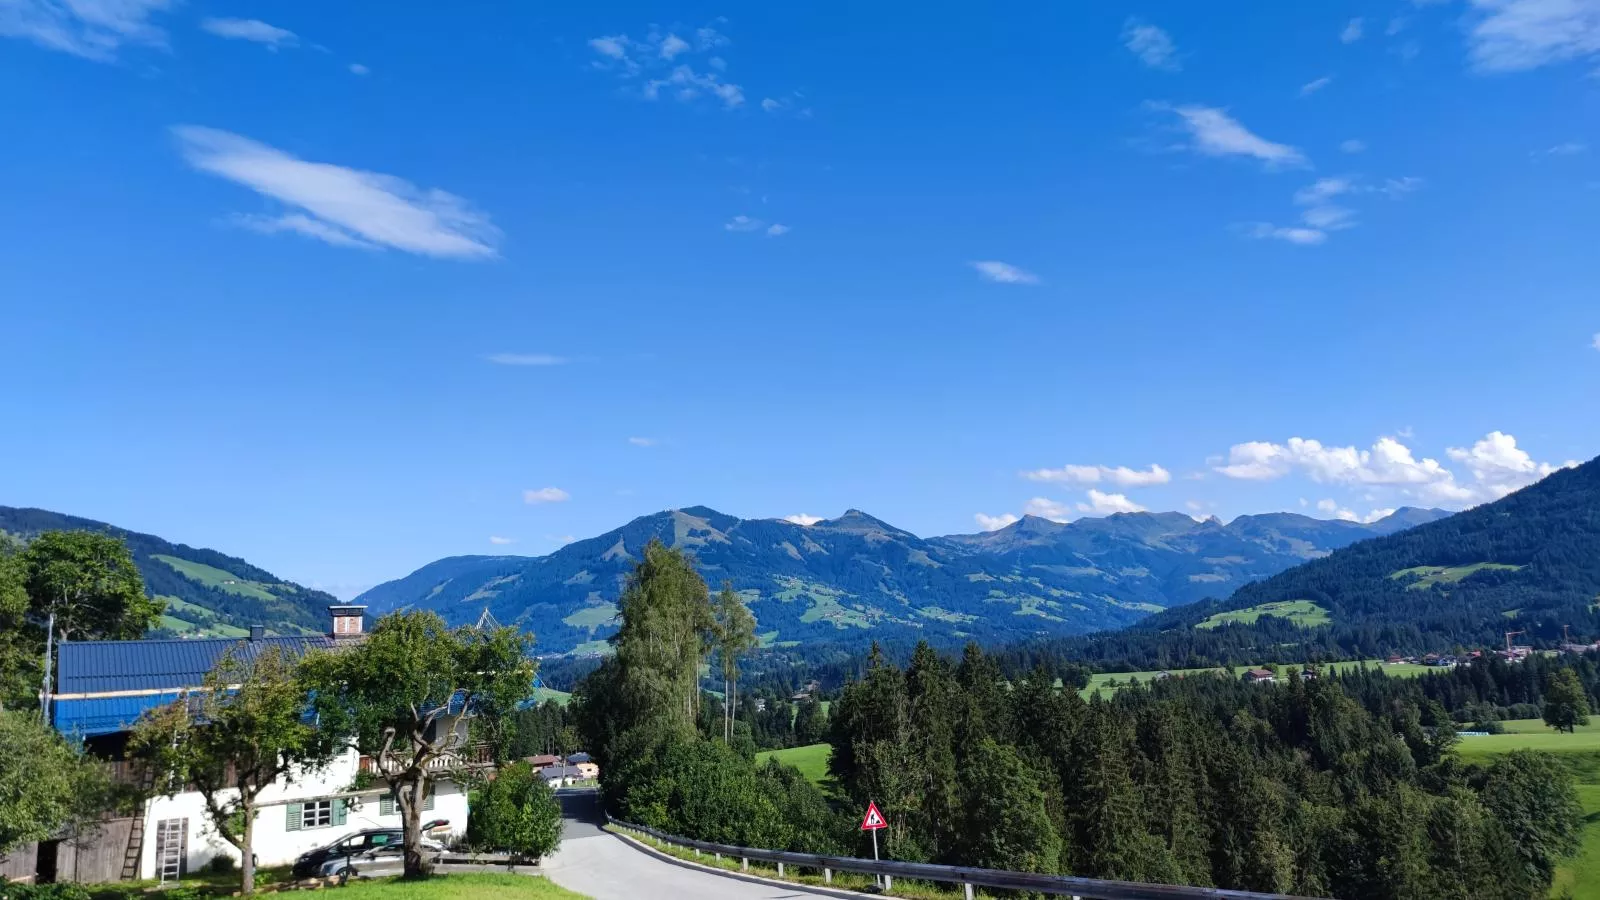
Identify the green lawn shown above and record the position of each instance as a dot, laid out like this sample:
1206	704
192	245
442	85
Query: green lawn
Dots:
811	760
540	695
442	887
1579	879
1101	681
1301	612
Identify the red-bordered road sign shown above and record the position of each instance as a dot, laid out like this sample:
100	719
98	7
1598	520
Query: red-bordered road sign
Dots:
873	820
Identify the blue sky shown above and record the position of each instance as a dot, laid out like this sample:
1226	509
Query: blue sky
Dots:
345	288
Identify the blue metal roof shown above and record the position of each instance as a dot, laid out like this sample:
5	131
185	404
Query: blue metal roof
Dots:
93	667
104	715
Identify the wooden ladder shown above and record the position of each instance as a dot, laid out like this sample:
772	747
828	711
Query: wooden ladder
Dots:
135	850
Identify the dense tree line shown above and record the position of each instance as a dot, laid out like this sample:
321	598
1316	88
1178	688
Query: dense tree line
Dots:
1206	781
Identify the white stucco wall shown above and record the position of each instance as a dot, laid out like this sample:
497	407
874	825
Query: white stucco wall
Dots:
275	844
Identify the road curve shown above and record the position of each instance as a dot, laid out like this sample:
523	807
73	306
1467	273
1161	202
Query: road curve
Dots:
601	865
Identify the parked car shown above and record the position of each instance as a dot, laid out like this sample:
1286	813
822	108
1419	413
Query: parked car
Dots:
377	848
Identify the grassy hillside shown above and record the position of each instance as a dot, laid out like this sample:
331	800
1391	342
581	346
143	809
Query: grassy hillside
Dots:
207	593
811	760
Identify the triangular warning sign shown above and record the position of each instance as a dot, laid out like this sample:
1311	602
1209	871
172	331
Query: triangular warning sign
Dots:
873	820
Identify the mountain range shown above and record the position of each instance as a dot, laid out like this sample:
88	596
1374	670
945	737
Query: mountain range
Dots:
856	577
207	593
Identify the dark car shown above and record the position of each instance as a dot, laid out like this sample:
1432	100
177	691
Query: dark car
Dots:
381	848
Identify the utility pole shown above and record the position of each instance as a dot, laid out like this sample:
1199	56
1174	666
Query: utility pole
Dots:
49	654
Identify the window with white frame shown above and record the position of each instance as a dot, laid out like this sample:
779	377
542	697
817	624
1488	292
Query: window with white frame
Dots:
316	814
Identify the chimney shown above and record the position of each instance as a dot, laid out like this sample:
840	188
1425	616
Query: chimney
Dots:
346	621
257	632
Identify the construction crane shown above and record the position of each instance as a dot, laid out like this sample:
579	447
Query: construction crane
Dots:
1509	636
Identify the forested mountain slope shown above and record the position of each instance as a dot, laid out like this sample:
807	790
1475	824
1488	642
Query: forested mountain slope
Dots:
206	592
856	578
1529	563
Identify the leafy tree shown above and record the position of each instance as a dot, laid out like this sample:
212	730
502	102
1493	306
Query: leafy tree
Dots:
517	813
810	722
1565	704
736	636
45	784
408	694
244	731
1008	826
1533	799
18	657
86	585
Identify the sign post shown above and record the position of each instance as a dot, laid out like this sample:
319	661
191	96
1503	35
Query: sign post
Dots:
873	821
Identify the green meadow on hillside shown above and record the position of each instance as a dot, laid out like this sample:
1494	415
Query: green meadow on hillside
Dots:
1301	612
811	760
1428	576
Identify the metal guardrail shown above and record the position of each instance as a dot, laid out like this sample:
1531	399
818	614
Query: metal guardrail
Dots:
968	878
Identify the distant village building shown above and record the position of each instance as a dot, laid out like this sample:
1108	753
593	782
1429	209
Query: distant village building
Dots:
1260	676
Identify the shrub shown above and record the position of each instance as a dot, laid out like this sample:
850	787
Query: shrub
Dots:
221	864
42	892
516	813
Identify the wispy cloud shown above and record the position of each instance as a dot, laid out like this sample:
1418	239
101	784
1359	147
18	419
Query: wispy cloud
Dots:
1311	87
1516	35
1213	132
545	495
1566	148
92	29
1352	30
1118	475
1353	146
501	541
747	224
777	229
1003	273
643	441
1596	343
526	359
342	206
253	30
359	69
1153	46
651	64
1100	504
803	519
1305	237
987	522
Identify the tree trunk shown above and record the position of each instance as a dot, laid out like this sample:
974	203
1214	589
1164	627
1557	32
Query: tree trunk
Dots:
411	797
247	852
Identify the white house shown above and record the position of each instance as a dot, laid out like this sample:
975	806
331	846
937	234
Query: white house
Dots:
103	687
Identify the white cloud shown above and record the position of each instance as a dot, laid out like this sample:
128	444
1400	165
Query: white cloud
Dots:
1352	31
1497	465
1353	146
1046	508
777	229
346	207
1305	237
92	29
1516	35
1397	187
359	69
1322	190
526	359
1119	475
1003	273
253	30
771	105
496	539
803	519
1215	133
1327	506
1105	504
545	495
1596	343
1153	46
994	523
653	64
1311	87
672	45
643	441
1566	148
744	223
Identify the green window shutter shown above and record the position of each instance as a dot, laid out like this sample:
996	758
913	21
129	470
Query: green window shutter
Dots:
293	822
427	802
340	810
386	804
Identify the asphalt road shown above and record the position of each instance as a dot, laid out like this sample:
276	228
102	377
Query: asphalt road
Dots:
603	866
